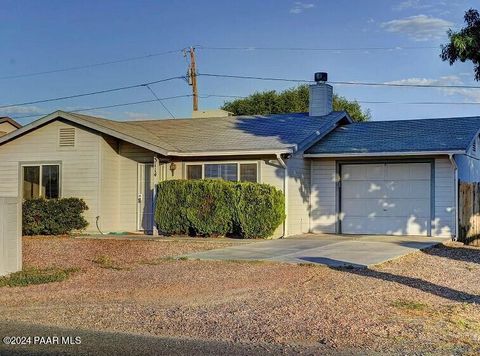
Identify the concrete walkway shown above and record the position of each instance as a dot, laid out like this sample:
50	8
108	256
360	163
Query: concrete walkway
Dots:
330	250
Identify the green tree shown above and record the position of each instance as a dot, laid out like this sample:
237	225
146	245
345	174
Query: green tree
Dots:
288	101
464	45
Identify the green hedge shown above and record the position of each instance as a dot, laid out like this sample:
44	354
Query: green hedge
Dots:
216	207
53	216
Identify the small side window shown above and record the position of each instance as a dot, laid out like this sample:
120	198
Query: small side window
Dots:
194	171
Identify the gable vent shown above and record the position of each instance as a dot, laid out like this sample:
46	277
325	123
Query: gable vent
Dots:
66	137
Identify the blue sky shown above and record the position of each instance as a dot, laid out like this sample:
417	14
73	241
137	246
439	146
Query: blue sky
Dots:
46	35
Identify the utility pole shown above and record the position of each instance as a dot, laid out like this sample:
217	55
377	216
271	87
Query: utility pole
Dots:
192	78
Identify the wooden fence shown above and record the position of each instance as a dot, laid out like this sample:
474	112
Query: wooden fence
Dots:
469	213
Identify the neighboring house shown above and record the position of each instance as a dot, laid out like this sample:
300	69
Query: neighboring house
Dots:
390	177
8	125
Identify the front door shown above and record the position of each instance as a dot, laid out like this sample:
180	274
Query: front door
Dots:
145	197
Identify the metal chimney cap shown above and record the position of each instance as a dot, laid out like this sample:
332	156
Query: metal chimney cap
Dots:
321	77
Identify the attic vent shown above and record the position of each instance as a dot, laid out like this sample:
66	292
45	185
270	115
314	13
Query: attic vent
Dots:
66	137
474	145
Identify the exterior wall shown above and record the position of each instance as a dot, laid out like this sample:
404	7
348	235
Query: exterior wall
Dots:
128	158
323	196
298	209
443	222
10	235
324	200
79	165
109	184
468	166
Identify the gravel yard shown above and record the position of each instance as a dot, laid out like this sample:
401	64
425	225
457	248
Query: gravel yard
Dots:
424	302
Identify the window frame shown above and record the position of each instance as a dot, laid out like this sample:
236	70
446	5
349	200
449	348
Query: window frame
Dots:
41	164
237	163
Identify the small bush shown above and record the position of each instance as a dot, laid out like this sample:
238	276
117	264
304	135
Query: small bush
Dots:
53	216
209	207
216	207
36	276
260	209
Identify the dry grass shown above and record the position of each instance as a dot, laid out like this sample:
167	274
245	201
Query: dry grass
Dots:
424	302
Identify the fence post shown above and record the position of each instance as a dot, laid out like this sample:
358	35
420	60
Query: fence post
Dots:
10	235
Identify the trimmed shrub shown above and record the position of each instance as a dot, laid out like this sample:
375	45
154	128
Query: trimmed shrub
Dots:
216	207
260	209
53	216
209	207
171	207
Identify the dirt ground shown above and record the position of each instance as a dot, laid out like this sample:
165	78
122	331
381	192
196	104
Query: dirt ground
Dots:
424	302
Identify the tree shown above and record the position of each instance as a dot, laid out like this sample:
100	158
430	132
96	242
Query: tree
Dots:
465	44
288	101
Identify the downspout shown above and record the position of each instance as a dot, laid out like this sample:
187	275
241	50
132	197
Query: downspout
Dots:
285	192
455	167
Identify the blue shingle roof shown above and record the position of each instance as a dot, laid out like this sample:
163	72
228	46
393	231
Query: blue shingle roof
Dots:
446	134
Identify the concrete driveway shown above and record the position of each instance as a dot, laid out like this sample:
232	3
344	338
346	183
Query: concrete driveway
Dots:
330	250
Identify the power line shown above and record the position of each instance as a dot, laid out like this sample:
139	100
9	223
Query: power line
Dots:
318	49
160	101
407	85
130	103
91	65
91	93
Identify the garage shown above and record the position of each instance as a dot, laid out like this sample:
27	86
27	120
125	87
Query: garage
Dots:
385	198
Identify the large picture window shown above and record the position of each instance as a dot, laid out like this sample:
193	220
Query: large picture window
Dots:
243	172
41	181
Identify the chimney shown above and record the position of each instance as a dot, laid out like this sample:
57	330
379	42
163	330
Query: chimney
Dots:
320	96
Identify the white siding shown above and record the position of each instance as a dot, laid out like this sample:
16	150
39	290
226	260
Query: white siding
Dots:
444	220
130	156
10	235
109	185
298	220
323	196
468	166
79	164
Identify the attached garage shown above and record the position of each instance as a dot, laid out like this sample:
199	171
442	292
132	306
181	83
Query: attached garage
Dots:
386	198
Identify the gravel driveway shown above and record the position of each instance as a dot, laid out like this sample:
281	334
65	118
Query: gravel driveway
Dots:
424	302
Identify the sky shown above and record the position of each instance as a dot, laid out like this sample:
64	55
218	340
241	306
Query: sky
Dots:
45	36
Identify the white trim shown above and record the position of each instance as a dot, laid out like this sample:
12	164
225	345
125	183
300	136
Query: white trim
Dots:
230	153
455	182
285	192
380	154
237	162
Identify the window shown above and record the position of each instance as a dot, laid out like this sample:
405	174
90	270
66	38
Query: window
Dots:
226	171
243	172
41	181
194	171
248	172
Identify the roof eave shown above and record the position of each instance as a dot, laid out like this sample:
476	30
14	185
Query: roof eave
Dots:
232	153
66	116
377	154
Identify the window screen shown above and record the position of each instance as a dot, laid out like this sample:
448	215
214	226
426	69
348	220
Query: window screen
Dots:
225	171
248	172
31	182
194	171
50	182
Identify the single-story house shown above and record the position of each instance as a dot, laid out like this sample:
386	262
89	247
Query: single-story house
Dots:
379	177
8	125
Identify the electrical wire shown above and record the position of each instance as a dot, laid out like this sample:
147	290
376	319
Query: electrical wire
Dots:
160	101
92	93
318	49
340	82
91	65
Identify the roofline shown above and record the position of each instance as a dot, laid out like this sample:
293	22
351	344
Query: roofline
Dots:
317	135
10	121
78	120
66	116
374	154
232	153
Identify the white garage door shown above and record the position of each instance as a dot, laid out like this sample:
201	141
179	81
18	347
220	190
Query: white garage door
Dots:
391	199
